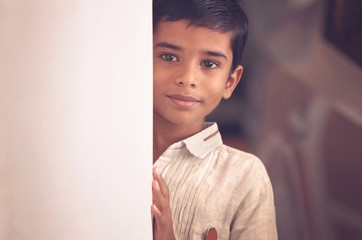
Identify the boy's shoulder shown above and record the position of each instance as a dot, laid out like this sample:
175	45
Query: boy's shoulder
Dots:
239	162
236	154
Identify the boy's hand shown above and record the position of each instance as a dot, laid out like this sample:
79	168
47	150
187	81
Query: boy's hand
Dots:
162	225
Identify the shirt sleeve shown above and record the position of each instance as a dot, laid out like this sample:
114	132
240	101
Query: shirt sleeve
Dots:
255	216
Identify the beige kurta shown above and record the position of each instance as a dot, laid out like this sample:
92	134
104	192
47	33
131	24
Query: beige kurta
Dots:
214	186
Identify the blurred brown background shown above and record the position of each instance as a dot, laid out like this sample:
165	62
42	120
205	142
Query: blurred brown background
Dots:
299	108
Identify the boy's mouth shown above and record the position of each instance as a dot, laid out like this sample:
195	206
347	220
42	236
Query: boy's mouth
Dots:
183	101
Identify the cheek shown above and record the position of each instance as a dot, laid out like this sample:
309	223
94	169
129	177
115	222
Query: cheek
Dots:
160	74
160	82
215	92
217	87
157	77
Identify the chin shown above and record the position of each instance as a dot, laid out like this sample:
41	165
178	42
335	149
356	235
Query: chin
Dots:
185	120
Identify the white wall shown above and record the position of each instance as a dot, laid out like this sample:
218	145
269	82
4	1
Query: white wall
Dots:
75	119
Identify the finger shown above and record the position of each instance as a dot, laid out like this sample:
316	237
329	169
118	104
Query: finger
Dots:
156	212
163	185
159	200
156	192
153	197
159	217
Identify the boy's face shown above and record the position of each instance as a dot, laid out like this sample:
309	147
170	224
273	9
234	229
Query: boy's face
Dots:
191	72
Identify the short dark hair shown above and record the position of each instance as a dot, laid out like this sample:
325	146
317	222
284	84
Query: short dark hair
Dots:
220	15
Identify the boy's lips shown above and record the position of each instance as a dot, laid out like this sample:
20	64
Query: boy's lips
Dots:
183	101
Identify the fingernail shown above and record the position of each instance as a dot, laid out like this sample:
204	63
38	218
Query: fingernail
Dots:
156	186
157	170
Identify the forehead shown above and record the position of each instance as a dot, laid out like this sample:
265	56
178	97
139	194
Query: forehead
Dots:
192	37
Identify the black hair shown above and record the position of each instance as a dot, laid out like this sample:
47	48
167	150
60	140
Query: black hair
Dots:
219	15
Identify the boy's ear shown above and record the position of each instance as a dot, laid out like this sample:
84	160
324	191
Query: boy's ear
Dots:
232	82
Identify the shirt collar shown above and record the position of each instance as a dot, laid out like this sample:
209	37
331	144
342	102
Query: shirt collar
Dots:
205	141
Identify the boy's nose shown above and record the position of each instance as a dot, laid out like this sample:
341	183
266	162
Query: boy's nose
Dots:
182	83
187	78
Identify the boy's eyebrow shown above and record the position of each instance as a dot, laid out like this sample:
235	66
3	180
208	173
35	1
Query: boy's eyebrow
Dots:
216	54
174	47
168	45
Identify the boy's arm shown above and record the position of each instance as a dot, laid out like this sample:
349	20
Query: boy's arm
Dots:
162	224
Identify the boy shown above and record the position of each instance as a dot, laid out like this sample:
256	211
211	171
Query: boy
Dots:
205	186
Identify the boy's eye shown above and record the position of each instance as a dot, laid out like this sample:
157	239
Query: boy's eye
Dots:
209	64
169	57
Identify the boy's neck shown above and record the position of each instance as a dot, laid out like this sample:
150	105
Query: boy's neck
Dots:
165	134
